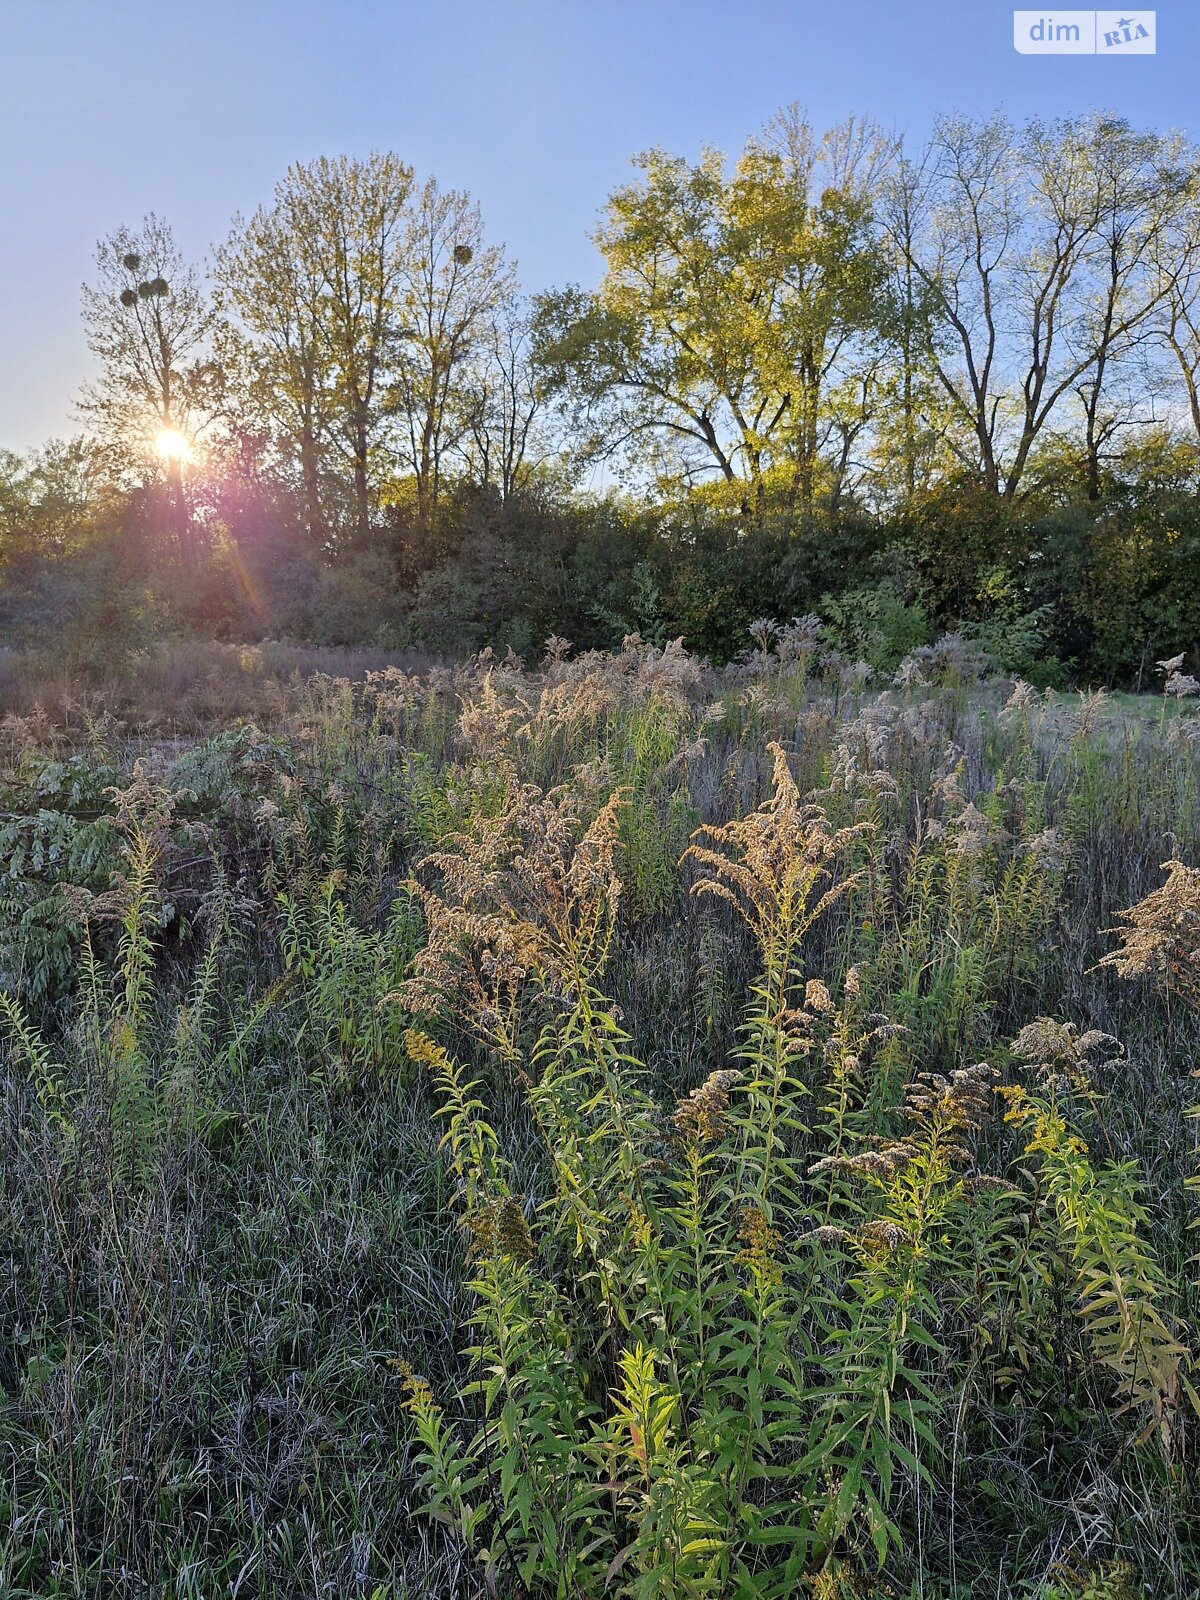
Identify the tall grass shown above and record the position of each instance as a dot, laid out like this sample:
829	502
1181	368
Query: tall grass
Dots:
611	1128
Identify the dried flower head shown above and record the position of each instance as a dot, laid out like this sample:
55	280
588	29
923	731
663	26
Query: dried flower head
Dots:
701	1116
959	1102
972	833
557	649
910	674
1024	698
881	1235
526	893
1050	850
1093	703
798	640
1162	938
1063	1059
878	1165
859	675
760	1244
828	1233
763	632
817	997
771	864
499	1228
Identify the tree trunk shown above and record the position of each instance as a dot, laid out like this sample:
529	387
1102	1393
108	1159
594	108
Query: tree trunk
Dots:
362	487
312	488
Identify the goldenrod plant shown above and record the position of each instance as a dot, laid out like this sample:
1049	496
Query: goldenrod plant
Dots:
607	1127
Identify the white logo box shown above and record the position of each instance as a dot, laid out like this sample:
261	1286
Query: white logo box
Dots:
1085	33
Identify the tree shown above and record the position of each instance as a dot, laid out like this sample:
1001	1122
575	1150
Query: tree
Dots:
731	308
48	496
455	290
346	223
149	323
501	441
1176	328
1032	255
1140	184
272	292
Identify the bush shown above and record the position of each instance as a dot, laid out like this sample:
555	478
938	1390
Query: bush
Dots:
876	624
359	602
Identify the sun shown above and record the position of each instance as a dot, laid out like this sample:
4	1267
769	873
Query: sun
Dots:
173	445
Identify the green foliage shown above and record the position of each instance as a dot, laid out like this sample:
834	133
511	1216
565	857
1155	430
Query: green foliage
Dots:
1114	1581
55	830
1013	635
1099	1214
658	817
349	1032
31	1053
359	603
876	624
720	287
694	1258
1143	567
763	1407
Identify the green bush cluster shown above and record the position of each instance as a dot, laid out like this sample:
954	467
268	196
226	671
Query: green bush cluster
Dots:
1082	591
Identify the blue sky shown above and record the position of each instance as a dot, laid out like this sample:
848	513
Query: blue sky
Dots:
112	108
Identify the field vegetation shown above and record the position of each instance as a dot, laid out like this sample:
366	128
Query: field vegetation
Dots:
618	1126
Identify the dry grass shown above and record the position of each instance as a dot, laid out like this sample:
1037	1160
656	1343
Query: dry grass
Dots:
189	686
236	1231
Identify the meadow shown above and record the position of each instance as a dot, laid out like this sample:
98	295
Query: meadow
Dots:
613	1127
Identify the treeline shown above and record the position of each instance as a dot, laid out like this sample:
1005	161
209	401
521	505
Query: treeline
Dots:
909	389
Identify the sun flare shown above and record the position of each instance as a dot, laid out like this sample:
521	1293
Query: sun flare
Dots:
173	445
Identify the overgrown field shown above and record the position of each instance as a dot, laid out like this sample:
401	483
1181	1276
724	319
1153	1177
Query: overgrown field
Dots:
613	1129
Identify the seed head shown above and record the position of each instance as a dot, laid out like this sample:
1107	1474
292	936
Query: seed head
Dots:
701	1115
